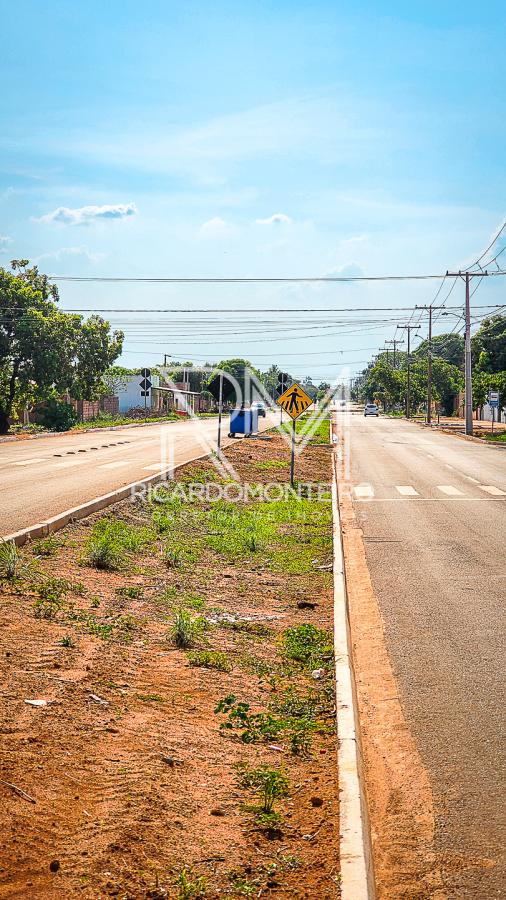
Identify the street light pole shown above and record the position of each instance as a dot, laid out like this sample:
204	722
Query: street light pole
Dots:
395	342
409	329
429	371
468	366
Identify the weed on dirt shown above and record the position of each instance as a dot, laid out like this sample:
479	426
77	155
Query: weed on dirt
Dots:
185	747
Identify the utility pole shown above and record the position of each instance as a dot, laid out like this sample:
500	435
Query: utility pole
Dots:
395	342
468	366
429	371
409	329
466	276
430	309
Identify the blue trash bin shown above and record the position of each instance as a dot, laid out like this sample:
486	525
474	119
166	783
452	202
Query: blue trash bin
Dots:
243	421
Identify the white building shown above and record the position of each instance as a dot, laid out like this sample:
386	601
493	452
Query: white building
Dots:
130	393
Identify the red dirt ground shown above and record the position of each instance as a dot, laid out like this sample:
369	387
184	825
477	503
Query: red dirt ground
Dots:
129	791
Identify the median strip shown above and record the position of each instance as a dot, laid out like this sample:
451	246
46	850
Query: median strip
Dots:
202	620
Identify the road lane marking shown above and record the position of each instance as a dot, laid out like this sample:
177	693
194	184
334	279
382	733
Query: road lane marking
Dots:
491	489
71	463
30	462
448	466
156	468
117	464
363	491
431	499
406	490
470	478
449	489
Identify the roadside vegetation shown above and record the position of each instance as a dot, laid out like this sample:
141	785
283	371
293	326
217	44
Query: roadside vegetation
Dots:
183	656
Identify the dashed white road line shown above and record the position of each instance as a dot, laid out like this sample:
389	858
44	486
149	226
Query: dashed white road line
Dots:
406	490
117	464
470	478
363	491
491	489
449	489
30	462
70	463
448	466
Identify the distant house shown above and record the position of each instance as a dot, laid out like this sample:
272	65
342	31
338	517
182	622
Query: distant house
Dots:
130	393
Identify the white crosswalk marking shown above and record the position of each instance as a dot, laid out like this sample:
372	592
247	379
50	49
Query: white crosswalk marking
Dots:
449	490
406	490
29	462
491	489
70	463
362	491
117	464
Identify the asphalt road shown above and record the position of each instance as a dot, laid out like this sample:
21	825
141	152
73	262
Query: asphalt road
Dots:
41	478
433	512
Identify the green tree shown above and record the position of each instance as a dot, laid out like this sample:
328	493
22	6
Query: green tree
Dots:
490	339
114	379
447	381
242	371
449	347
44	351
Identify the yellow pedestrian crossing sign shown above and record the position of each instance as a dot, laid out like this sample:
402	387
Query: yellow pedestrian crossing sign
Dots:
294	400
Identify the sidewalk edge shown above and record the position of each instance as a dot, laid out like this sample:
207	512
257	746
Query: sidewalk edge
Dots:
357	871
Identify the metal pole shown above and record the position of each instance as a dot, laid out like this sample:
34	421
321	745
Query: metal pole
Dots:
468	367
220	408
429	370
292	459
408	382
493	418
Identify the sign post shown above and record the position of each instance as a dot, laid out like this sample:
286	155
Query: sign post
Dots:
493	402
220	410
294	401
145	385
281	388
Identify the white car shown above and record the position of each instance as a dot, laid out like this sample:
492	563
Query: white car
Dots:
259	405
370	409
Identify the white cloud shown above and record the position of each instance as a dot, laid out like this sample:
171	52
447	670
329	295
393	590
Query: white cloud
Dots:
83	215
71	252
4	242
275	219
215	228
348	270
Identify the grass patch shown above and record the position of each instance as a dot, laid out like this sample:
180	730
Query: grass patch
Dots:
186	629
151	698
210	659
254	728
308	646
270	464
191	887
46	546
112	542
130	591
496	438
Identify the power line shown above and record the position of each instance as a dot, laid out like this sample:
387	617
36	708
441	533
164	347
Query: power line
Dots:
492	242
319	279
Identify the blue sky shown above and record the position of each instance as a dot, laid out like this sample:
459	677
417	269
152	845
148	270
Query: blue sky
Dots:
258	139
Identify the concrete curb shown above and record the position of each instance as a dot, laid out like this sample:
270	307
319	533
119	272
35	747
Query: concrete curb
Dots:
356	859
42	529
